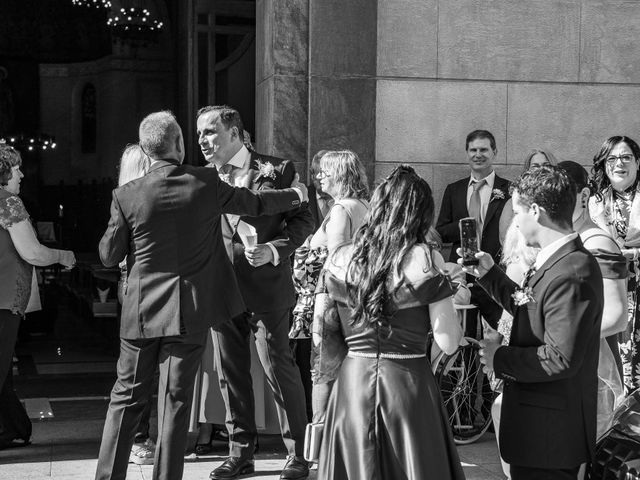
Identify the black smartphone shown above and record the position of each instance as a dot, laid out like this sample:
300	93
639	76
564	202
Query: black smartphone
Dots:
469	240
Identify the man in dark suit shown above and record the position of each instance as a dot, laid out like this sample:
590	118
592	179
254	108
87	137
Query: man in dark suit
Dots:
264	275
180	284
482	196
548	426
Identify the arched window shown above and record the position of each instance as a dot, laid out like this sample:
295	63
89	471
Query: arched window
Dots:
89	119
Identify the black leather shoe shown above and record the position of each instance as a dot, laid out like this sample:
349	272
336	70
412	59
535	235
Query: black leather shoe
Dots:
232	468
296	468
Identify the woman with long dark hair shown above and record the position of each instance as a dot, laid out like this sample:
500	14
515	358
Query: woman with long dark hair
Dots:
385	417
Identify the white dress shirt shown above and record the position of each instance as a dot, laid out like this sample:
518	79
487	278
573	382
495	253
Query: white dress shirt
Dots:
238	177
546	253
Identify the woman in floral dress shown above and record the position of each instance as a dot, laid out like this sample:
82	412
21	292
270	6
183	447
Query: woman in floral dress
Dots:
616	209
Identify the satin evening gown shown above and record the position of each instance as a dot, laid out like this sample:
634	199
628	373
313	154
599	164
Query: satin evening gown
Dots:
385	418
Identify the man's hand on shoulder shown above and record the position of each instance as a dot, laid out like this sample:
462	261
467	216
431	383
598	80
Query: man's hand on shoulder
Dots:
301	187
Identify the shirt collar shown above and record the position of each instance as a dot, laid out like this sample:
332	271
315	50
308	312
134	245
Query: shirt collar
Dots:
546	253
489	179
241	158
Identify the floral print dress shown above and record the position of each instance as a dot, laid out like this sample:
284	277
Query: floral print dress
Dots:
619	214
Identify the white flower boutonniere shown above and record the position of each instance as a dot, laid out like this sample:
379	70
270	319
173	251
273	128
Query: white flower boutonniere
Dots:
522	296
497	194
266	169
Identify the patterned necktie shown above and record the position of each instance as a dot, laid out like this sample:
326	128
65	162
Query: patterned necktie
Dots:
475	205
527	276
225	173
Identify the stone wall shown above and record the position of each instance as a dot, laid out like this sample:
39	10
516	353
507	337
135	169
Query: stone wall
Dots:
406	80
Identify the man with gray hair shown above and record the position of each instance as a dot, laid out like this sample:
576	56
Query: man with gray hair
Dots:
180	284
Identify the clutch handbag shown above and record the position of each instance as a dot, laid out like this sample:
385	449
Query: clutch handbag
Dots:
312	441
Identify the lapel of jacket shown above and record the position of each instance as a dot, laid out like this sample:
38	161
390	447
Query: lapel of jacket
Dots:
498	184
252	176
460	191
558	255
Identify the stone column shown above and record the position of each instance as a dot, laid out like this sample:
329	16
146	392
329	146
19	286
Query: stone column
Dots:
342	83
282	57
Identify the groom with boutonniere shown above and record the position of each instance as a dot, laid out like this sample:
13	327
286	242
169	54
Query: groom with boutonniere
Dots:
264	275
549	368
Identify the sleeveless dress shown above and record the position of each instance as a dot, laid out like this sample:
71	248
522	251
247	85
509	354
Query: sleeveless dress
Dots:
613	266
385	418
308	262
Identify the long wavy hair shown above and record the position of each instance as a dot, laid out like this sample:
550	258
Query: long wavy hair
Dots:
134	163
401	213
348	173
599	178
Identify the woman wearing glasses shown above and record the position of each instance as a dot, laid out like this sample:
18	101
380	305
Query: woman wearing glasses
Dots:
342	176
616	208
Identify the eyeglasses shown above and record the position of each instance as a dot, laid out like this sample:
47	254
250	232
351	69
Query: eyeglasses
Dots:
625	159
323	174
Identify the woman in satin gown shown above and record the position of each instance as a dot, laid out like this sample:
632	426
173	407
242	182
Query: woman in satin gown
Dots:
385	418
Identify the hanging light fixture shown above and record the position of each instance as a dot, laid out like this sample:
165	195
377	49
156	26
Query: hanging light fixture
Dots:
30	143
92	3
134	24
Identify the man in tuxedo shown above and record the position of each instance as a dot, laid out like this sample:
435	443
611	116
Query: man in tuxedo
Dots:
264	275
180	284
549	368
482	195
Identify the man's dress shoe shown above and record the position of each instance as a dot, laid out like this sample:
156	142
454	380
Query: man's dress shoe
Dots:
296	468
232	468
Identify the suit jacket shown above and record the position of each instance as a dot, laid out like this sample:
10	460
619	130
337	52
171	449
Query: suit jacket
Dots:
313	207
454	207
550	366
167	223
270	287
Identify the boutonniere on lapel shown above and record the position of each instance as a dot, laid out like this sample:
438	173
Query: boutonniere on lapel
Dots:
496	194
522	296
266	170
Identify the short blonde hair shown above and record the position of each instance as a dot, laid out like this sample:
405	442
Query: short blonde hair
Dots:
134	163
348	173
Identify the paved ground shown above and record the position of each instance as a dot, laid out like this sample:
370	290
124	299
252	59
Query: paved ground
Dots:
66	449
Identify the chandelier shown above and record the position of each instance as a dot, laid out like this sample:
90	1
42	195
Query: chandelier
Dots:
92	3
134	25
30	143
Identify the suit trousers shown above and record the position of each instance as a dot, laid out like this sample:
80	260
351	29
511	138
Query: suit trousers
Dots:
177	358
14	421
233	361
529	473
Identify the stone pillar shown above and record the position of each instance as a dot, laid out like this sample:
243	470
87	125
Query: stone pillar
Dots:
282	57
342	37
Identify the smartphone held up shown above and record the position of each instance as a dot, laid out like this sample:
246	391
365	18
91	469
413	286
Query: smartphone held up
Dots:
469	240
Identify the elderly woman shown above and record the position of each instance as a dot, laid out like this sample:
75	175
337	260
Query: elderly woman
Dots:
615	208
20	250
343	177
534	159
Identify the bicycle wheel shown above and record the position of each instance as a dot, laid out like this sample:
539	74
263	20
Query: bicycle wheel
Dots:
466	393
